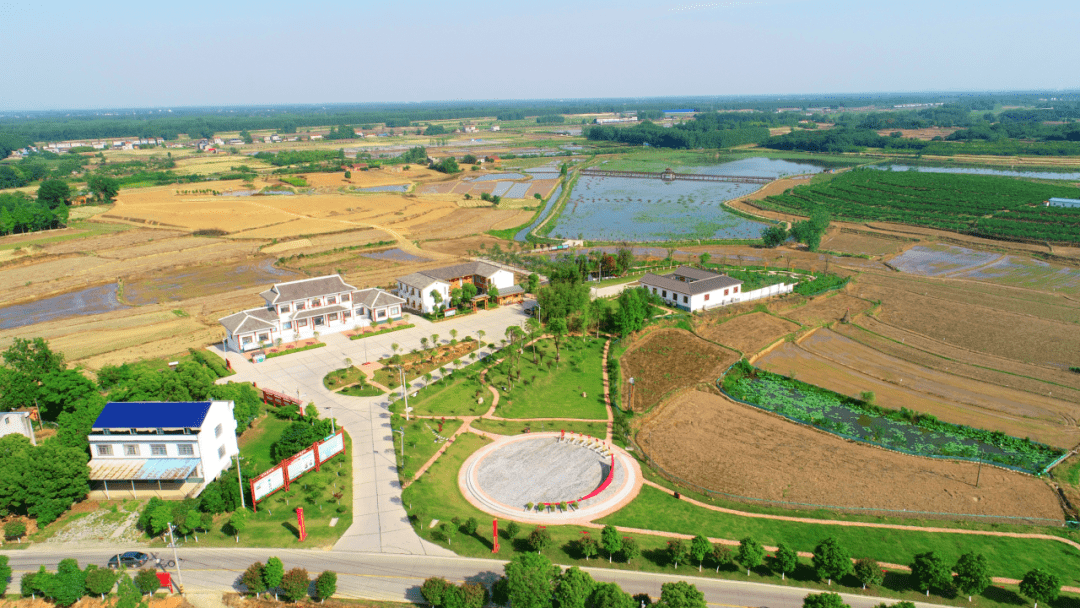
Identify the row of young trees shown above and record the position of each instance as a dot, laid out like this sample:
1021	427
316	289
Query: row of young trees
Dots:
70	583
272	578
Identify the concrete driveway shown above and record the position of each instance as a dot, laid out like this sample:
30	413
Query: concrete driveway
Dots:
379	523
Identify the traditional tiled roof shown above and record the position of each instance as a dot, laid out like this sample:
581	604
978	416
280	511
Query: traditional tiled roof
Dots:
418	280
321	310
306	288
254	319
512	290
692	288
375	298
467	269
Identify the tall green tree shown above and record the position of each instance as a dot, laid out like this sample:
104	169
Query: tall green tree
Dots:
831	561
99	581
530	580
824	600
69	584
103	187
972	574
573	587
774	236
26	362
610	595
273	573
868	572
252	578
700	547
751	553
610	540
5	574
721	556
54	193
785	560
929	571
325	585
681	595
675	551
1040	586
41	481
295	584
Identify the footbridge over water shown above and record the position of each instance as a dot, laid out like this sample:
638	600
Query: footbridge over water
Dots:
670	175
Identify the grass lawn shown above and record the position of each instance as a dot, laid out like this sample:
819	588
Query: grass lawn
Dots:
421	441
454	396
423	362
342	377
436	496
551	390
1010	557
360	391
515	427
324	495
255	442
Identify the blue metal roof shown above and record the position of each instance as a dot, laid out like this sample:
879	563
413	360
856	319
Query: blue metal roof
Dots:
152	415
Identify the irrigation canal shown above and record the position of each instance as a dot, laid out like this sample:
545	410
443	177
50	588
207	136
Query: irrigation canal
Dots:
670	175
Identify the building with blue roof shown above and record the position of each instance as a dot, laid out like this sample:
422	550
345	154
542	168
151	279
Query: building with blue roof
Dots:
167	449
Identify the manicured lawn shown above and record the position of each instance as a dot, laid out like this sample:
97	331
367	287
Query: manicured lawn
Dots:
423	362
255	442
515	427
455	396
1010	557
421	441
550	389
436	494
342	377
360	391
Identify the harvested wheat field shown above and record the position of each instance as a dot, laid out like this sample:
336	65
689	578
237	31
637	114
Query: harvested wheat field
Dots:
863	243
832	361
669	359
727	447
827	308
749	333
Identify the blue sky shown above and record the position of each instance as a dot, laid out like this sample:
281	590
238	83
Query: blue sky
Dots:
162	54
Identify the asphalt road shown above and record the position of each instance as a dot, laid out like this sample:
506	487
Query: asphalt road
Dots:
391	577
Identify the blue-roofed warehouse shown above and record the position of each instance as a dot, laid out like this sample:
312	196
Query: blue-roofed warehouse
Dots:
167	449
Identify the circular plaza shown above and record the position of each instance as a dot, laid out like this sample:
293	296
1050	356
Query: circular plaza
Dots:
503	478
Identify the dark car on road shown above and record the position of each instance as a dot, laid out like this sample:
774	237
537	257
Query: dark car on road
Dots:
131	559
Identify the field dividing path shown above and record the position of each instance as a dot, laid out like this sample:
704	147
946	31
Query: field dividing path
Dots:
380	523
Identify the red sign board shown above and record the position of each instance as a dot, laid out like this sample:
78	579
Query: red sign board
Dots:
165	579
495	535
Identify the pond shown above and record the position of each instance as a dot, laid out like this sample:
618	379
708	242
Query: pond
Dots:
90	301
496	176
629	209
982	171
386	188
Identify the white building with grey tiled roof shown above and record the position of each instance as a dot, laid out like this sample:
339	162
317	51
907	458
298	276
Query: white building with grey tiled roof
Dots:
297	310
417	287
693	288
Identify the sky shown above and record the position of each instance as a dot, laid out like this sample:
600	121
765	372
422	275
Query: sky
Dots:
108	54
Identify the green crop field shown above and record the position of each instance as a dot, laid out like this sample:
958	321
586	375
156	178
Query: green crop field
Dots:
983	205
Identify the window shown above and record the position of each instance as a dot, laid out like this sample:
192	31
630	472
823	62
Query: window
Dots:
395	311
344	297
318	321
380	314
217	431
736	289
185	449
299	306
665	294
346	314
283	308
726	292
331	300
686	299
654	290
331	317
157	449
104	450
221	452
245	340
287	325
706	297
130	449
264	337
315	303
360	311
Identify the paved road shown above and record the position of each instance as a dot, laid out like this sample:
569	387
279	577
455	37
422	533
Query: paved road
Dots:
379	521
394	577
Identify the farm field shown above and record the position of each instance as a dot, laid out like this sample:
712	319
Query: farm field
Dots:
759	455
832	361
666	360
971	204
826	308
943	260
860	243
749	333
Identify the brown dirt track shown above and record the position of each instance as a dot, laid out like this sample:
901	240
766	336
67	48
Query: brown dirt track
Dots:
716	443
668	359
832	361
749	333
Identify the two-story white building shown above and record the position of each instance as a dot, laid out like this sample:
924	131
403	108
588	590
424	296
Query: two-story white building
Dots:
417	287
168	449
296	310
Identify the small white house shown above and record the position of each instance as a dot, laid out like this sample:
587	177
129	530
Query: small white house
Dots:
296	310
17	423
693	289
416	288
160	448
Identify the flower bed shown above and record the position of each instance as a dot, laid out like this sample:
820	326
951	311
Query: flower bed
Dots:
277	353
386	330
903	430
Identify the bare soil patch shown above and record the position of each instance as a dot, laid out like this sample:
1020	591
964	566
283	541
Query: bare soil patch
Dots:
827	308
924	134
727	447
834	362
669	359
749	333
861	243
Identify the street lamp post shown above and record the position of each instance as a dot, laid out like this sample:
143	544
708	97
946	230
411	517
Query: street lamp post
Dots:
176	558
404	391
240	481
401	430
333	429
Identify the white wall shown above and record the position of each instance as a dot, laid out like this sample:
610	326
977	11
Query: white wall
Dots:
502	279
221	412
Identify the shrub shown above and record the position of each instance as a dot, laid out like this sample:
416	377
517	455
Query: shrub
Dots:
326	585
14	529
295	584
147	581
253	578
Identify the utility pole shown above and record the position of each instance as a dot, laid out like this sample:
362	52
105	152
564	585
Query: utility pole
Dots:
401	430
404	391
240	481
176	558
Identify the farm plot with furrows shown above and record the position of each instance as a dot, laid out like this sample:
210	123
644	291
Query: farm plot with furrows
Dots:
464	222
832	361
826	308
846	242
158	247
1027	273
541	186
88	344
501	188
206	279
940	259
904	430
517	190
726	447
749	333
385	188
972	204
164	348
669	359
104	243
496	176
